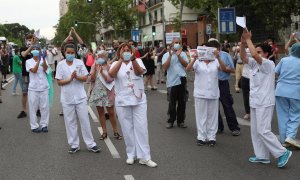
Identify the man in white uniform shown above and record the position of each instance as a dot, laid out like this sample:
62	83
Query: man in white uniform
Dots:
71	74
38	91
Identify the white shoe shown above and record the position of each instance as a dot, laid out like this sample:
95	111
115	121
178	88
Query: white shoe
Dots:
15	94
130	161
294	142
247	116
149	163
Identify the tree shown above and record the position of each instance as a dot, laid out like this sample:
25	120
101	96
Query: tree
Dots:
15	32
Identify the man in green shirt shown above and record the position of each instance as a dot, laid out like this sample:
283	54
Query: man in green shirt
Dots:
17	70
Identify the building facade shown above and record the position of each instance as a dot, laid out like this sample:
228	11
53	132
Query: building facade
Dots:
63	7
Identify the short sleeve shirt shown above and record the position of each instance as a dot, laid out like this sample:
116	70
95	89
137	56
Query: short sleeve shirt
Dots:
72	93
288	84
29	56
226	58
129	88
262	83
17	67
175	70
38	80
206	83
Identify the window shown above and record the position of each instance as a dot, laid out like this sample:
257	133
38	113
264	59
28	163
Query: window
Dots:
155	15
161	14
144	20
150	18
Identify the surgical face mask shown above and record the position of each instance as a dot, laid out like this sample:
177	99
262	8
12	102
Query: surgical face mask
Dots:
177	46
160	45
126	56
132	46
70	57
35	53
100	61
140	47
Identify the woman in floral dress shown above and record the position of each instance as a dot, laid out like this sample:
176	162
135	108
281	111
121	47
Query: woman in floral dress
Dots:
103	94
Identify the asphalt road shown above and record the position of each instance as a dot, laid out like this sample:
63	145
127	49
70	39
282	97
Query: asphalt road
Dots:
26	155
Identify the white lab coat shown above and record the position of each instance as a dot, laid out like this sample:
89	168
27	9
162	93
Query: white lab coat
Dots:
74	103
131	108
262	101
38	95
206	94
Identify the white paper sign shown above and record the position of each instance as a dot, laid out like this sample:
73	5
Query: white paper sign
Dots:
171	36
241	21
206	53
193	52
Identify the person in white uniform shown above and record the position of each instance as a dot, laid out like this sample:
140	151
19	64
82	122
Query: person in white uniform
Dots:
262	101
71	74
131	105
38	91
206	94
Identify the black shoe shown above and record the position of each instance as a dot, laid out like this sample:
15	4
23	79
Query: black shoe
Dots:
201	143
211	143
36	130
95	149
61	113
45	129
0	100
169	125
73	150
5	81
22	115
38	113
235	133
182	125
220	131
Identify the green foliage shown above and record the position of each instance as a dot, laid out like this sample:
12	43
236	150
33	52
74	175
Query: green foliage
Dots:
14	32
104	13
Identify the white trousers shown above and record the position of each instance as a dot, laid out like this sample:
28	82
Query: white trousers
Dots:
263	140
72	112
134	124
38	100
206	111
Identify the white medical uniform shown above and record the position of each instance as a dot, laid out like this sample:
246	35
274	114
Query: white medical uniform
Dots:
206	94
131	107
262	101
74	102
38	95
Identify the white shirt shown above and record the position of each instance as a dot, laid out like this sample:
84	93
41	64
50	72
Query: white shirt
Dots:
129	88
50	56
72	93
262	83
38	81
246	71
206	84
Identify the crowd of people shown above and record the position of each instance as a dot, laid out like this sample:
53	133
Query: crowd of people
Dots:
119	77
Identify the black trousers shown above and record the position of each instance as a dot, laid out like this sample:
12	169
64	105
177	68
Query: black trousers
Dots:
245	83
227	102
177	97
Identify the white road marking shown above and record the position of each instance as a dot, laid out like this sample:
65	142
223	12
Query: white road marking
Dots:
128	177
93	115
109	144
115	154
10	79
162	91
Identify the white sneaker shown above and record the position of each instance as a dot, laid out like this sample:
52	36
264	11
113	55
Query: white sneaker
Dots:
15	94
247	116
149	163
130	161
294	142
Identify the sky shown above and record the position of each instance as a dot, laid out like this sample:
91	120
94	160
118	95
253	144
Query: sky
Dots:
35	14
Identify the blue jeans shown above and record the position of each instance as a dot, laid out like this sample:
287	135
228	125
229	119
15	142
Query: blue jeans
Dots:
18	78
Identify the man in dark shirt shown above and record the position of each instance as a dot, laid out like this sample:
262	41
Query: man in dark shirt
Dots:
25	55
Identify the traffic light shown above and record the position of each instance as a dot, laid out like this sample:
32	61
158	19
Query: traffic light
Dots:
89	1
76	23
153	31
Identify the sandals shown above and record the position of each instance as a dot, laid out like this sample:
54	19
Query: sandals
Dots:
103	136
118	136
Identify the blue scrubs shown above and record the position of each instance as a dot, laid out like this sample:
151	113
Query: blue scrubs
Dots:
288	97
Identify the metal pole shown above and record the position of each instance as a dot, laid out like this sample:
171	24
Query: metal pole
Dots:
164	23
